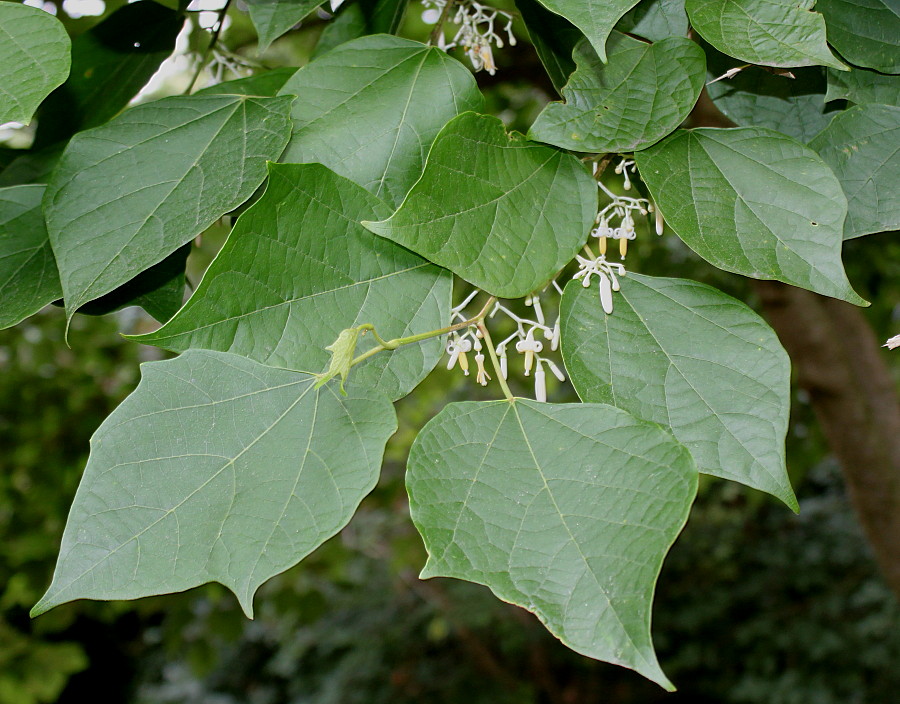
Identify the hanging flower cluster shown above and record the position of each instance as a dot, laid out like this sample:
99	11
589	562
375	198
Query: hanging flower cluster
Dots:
531	339
477	32
621	209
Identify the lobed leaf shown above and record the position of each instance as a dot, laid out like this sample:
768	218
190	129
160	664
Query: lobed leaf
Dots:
642	94
509	197
861	146
306	270
371	107
755	202
564	510
782	33
866	32
686	356
28	277
594	18
34	59
129	193
216	468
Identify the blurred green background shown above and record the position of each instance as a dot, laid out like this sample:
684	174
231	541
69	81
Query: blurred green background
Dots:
754	604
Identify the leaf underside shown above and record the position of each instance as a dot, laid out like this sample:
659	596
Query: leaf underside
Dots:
216	468
565	510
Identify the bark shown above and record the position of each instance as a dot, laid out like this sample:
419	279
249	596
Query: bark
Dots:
838	361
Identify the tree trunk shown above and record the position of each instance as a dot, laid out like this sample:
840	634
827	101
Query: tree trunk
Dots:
839	363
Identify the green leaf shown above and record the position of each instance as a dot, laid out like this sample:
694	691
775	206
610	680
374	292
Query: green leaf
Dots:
655	20
757	98
594	18
866	32
553	38
754	202
370	109
127	194
509	196
640	96
861	146
159	290
356	19
272	18
306	270
564	510
861	86
111	62
723	389
34	59
267	83
28	278
781	33
216	468
31	166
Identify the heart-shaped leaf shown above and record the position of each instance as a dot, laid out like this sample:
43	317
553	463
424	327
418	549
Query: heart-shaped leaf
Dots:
565	510
508	196
755	202
129	193
370	109
640	96
866	32
34	59
28	277
686	356
782	33
306	270
861	146
216	468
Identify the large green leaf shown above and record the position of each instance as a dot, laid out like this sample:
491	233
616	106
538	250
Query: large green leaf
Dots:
369	109
553	38
28	278
861	86
640	96
34	59
686	356
127	194
485	198
306	269
216	468
111	62
783	33
565	510
862	146
757	98
755	202
655	20
866	32
595	18
272	18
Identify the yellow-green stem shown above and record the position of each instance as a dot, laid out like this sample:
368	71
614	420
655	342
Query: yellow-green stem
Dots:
492	353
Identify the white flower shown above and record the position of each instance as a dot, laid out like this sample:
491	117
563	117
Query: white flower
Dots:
893	343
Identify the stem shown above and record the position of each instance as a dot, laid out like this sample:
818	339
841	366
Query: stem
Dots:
212	43
439	27
486	336
398	341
